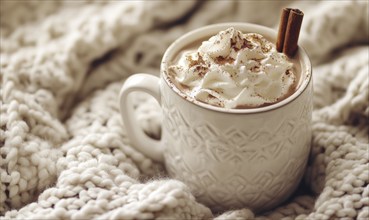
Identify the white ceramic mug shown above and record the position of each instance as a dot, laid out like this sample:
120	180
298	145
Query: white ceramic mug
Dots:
230	158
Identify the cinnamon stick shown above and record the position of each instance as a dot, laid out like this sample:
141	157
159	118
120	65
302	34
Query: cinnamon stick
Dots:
289	31
282	28
292	32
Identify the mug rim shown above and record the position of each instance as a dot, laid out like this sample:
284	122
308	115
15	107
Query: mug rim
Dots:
215	28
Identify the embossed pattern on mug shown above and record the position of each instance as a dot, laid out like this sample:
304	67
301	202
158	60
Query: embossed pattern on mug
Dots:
214	147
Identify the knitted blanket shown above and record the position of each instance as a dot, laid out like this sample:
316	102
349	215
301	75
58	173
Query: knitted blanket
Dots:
64	149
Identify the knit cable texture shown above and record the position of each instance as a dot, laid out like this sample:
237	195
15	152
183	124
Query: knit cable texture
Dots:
64	150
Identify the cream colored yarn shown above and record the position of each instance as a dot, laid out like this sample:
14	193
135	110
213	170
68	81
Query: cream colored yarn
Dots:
64	150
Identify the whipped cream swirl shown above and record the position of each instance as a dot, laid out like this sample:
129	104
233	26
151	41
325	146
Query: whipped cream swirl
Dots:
235	70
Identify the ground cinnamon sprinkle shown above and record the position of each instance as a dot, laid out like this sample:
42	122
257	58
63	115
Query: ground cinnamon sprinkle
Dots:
200	59
223	60
202	70
191	61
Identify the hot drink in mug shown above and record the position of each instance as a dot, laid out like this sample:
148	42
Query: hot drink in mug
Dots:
236	115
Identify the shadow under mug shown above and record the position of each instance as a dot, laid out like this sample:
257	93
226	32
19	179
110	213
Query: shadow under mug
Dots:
229	158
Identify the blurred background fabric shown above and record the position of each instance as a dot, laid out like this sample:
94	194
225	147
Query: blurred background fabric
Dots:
64	149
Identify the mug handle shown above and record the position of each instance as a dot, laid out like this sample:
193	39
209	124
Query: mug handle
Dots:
147	83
